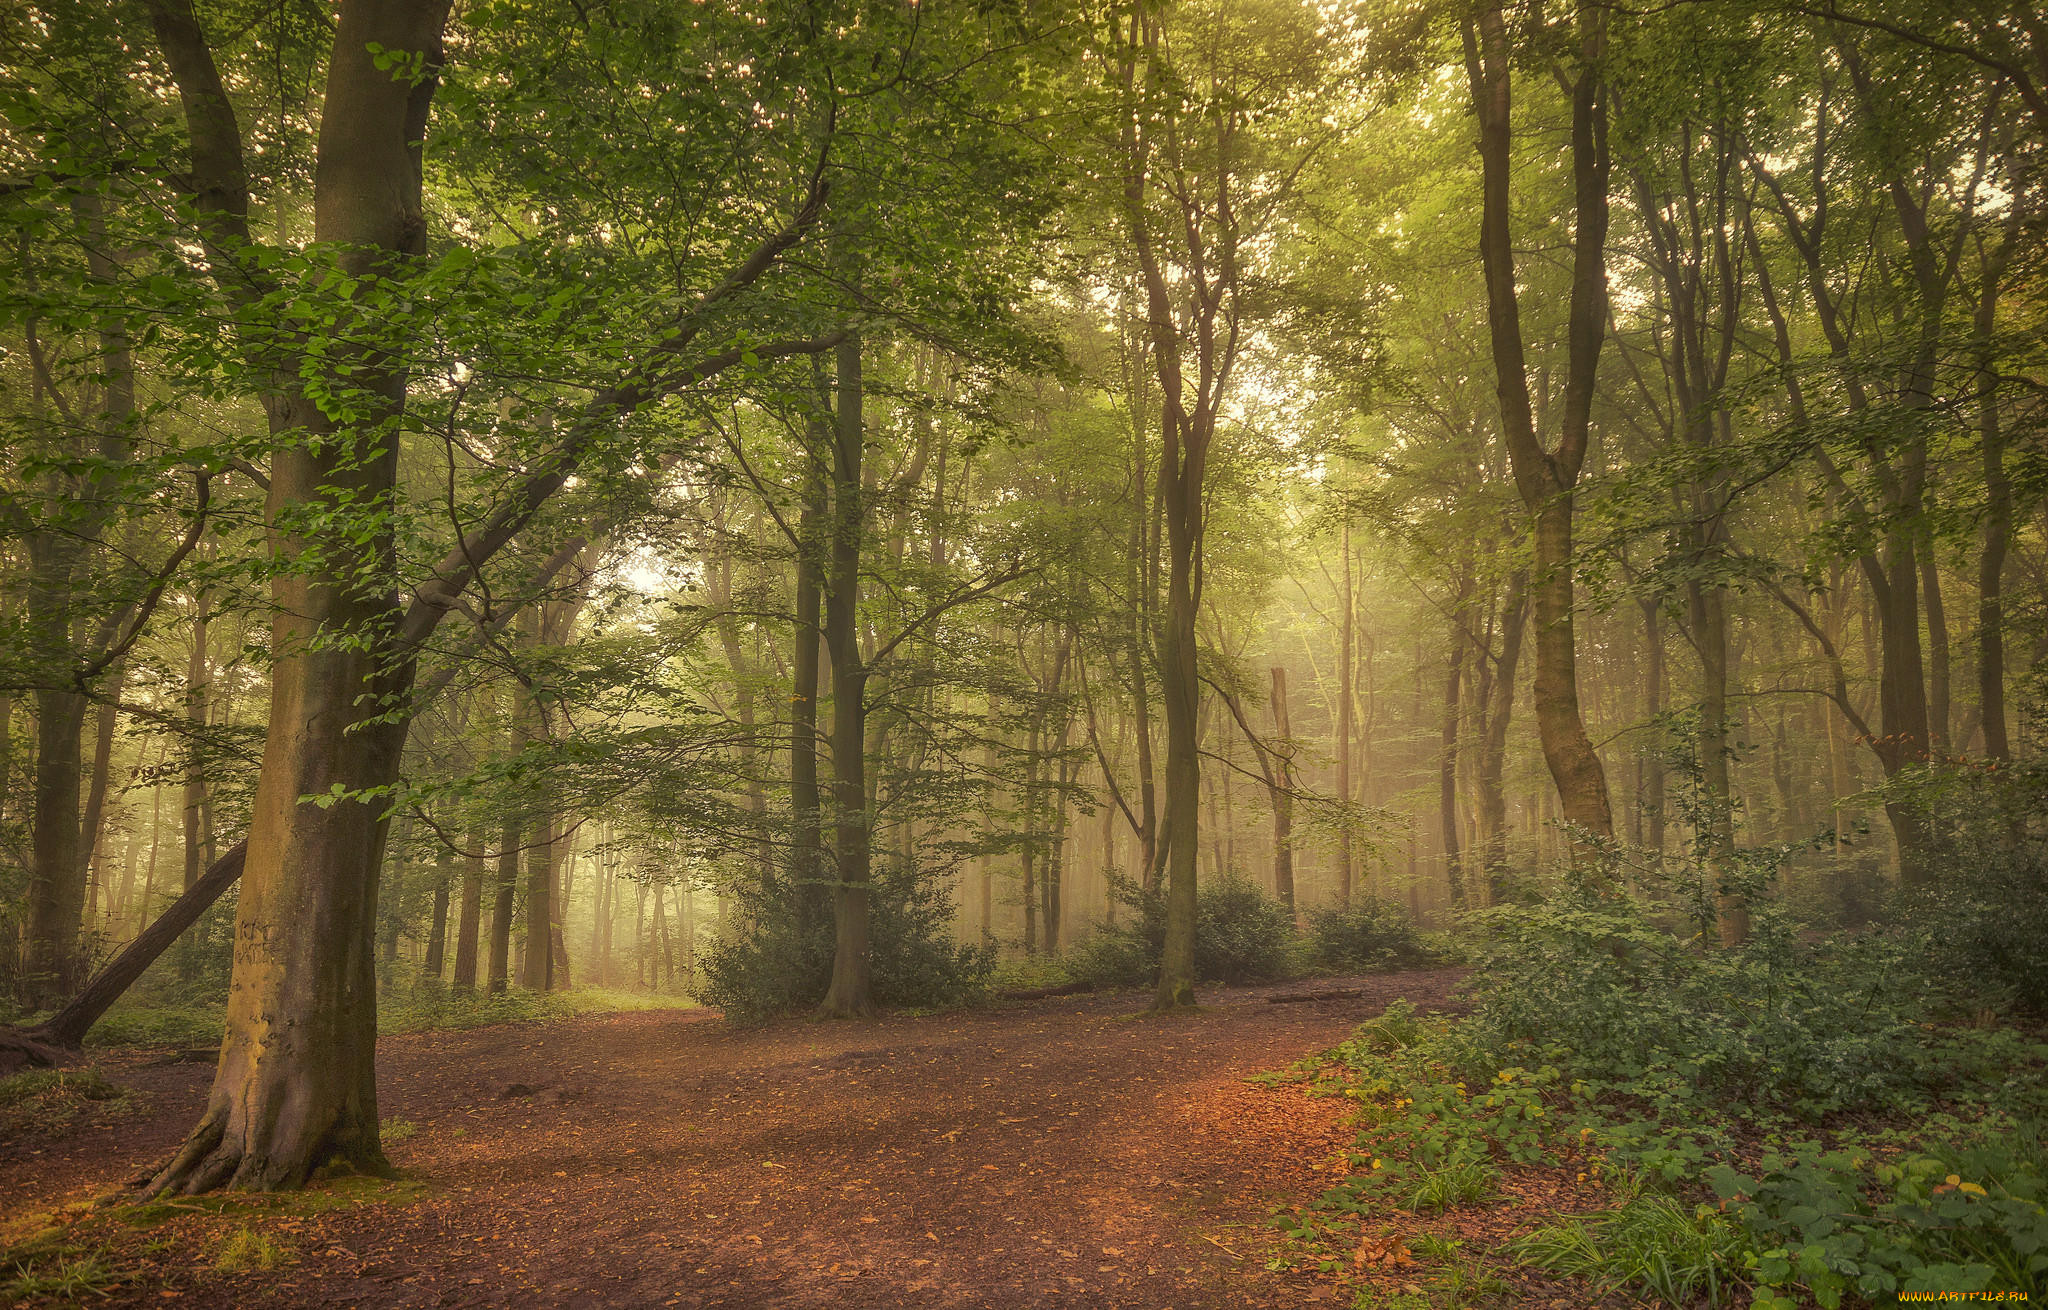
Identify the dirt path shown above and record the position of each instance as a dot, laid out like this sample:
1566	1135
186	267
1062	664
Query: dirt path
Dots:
1061	1153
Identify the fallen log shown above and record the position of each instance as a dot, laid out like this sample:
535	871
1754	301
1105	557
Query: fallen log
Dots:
56	1037
1041	993
1335	994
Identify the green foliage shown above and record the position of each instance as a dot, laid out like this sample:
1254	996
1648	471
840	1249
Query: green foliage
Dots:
1982	925
1114	957
1593	982
781	962
1371	935
1850	1224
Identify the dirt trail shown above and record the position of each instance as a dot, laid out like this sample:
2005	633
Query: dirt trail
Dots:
1061	1153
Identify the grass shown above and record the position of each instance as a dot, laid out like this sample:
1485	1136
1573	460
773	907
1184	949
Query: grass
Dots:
81	1252
425	1008
1653	1244
1452	1185
62	1274
245	1250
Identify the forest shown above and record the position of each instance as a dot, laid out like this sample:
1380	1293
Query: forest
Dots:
1386	653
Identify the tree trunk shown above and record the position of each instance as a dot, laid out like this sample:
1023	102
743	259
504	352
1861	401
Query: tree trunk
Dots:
1447	752
296	1084
1938	742
1493	805
1283	795
1546	479
437	925
540	904
196	688
469	922
849	992
56	889
807	848
1345	727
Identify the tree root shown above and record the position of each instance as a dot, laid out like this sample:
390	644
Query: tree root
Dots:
33	1047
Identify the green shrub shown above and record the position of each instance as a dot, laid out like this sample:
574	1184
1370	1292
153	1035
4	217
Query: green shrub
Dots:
1112	958
1592	983
781	965
1369	936
1957	1218
1241	935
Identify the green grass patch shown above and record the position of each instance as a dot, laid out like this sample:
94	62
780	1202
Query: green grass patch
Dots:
322	1197
245	1250
425	1008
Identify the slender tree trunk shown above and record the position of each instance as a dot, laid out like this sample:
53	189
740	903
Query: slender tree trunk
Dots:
1493	805
437	923
849	992
1997	524
469	922
807	851
1345	728
1938	741
1283	795
1447	753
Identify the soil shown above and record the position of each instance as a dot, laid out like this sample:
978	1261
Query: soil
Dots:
1063	1152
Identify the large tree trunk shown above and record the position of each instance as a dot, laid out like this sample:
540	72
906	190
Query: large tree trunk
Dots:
295	1087
850	991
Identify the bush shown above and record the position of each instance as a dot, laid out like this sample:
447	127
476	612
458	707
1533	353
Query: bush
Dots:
780	965
1114	957
1241	935
1594	985
1984	923
1371	935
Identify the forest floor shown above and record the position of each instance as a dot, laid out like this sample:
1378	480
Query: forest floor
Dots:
1066	1152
